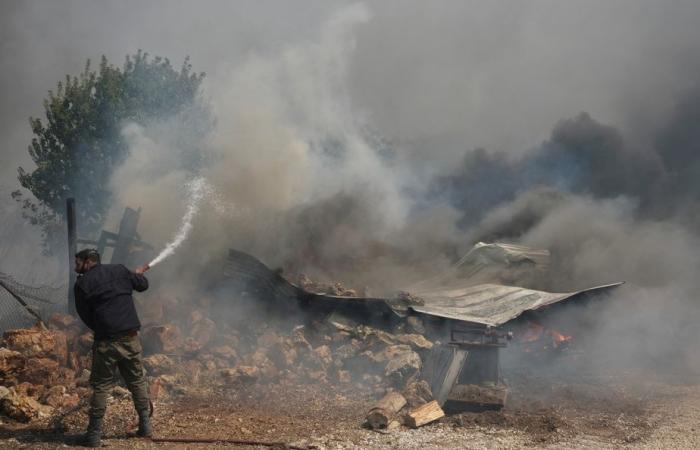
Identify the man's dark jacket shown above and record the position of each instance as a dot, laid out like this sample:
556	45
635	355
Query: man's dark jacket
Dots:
103	299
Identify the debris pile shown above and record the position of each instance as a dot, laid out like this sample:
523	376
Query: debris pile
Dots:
45	372
38	368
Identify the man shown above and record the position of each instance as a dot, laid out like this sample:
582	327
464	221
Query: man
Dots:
103	301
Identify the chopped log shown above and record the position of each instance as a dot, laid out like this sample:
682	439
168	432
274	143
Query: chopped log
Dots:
385	410
425	414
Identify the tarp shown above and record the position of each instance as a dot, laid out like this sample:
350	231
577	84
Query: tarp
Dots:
458	299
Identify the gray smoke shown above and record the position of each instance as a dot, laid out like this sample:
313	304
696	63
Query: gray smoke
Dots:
373	143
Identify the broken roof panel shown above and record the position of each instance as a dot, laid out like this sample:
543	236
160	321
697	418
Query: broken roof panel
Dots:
490	304
484	304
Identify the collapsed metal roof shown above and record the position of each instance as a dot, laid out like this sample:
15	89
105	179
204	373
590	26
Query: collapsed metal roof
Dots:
452	294
491	304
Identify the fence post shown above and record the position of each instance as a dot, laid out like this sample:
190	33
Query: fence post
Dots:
72	242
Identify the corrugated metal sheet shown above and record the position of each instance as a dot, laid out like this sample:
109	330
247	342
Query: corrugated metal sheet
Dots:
484	304
491	304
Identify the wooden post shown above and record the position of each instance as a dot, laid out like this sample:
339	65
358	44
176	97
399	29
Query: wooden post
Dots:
72	242
125	236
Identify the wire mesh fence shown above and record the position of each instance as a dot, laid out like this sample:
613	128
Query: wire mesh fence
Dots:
21	305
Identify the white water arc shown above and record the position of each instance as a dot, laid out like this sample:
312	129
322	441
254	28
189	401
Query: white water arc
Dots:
197	189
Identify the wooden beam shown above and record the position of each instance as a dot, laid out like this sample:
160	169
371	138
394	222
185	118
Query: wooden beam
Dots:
72	243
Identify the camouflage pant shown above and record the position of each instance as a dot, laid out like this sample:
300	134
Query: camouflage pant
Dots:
124	354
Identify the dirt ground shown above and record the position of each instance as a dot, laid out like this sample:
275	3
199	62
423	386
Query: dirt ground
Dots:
620	411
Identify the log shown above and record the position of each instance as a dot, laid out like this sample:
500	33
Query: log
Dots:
425	414
385	410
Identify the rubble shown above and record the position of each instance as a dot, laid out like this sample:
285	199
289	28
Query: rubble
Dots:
162	339
37	343
22	408
158	364
12	364
45	371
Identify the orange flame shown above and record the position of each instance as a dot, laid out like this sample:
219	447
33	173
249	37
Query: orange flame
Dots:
536	332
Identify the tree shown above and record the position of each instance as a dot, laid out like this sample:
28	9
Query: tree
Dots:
79	144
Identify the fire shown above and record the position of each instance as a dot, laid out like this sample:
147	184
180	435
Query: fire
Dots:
536	333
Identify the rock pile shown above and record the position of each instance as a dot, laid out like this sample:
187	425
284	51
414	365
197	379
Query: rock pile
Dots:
44	371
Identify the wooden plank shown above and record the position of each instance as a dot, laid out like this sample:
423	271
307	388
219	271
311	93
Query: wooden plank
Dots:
425	414
442	369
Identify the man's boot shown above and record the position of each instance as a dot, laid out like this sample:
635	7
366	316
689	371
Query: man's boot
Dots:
93	435
145	429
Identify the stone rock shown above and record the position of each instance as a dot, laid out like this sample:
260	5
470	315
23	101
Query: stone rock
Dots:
37	343
53	396
65	376
347	350
402	366
224	352
417	393
283	354
120	392
12	363
29	389
268	339
165	381
162	339
373	337
323	353
341	337
158	364
240	375
22	408
260	360
191	346
41	371
196	316
83	379
192	370
299	339
417	341
203	331
4	392
390	353
344	376
61	321
230	339
317	376
415	325
84	341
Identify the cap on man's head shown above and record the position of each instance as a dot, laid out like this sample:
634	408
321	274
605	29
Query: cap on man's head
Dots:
88	253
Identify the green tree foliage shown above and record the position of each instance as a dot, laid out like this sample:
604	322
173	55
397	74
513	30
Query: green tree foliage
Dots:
79	144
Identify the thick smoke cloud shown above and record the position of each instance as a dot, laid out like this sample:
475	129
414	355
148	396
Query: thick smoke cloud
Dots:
374	143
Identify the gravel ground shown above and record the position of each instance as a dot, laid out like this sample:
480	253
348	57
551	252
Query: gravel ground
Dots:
620	413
